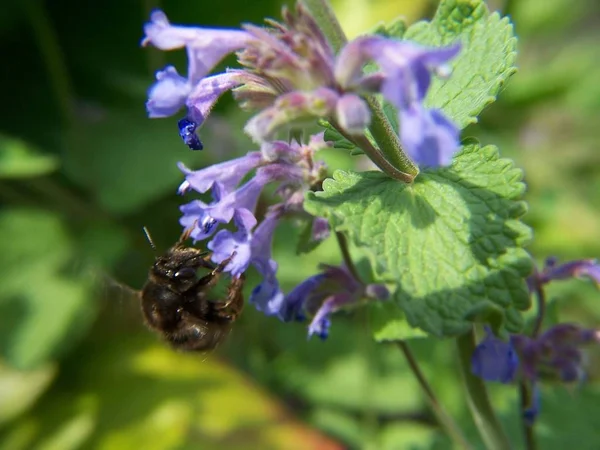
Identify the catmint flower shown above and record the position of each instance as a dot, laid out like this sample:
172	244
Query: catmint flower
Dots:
205	47
227	174
556	354
222	210
238	243
291	75
494	359
429	137
582	268
553	356
325	293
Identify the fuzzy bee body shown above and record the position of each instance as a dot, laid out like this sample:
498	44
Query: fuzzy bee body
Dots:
178	304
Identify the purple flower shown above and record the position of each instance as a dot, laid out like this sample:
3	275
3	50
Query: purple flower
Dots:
171	92
205	46
267	296
294	301
321	321
429	137
556	354
588	268
204	217
168	94
325	293
227	174
494	359
289	109
225	243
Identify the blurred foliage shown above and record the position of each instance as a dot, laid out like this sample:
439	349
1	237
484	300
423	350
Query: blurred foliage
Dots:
82	170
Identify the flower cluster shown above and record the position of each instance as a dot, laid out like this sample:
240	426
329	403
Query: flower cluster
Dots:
289	74
554	355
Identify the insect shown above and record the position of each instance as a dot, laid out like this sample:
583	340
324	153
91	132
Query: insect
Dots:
179	304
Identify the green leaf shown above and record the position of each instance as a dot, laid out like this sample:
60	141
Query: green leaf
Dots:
484	64
449	241
43	304
18	160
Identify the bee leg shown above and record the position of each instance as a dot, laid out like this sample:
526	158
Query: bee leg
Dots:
234	303
210	280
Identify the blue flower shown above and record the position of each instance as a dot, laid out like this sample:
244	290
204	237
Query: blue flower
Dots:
322	294
429	137
168	94
206	216
556	354
227	174
205	48
588	268
494	359
225	243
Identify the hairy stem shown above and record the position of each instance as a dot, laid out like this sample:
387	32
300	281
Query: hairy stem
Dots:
323	14
445	420
484	416
388	141
375	155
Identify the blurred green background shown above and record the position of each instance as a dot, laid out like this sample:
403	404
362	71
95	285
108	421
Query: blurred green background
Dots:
82	170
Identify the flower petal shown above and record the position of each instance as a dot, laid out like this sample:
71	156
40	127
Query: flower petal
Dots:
428	136
494	359
168	94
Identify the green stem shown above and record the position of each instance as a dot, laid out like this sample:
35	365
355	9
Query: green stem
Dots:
540	296
323	14
444	419
484	416
375	155
388	141
343	244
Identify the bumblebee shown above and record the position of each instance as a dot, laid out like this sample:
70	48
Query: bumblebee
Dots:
178	303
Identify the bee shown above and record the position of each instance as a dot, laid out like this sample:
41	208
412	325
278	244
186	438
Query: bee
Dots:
179	304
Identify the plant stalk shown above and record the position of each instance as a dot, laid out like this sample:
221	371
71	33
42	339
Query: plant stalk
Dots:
444	419
484	416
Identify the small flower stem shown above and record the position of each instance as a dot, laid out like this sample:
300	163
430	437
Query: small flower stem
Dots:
343	244
390	158
375	155
484	416
524	389
388	141
444	419
540	295
526	397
